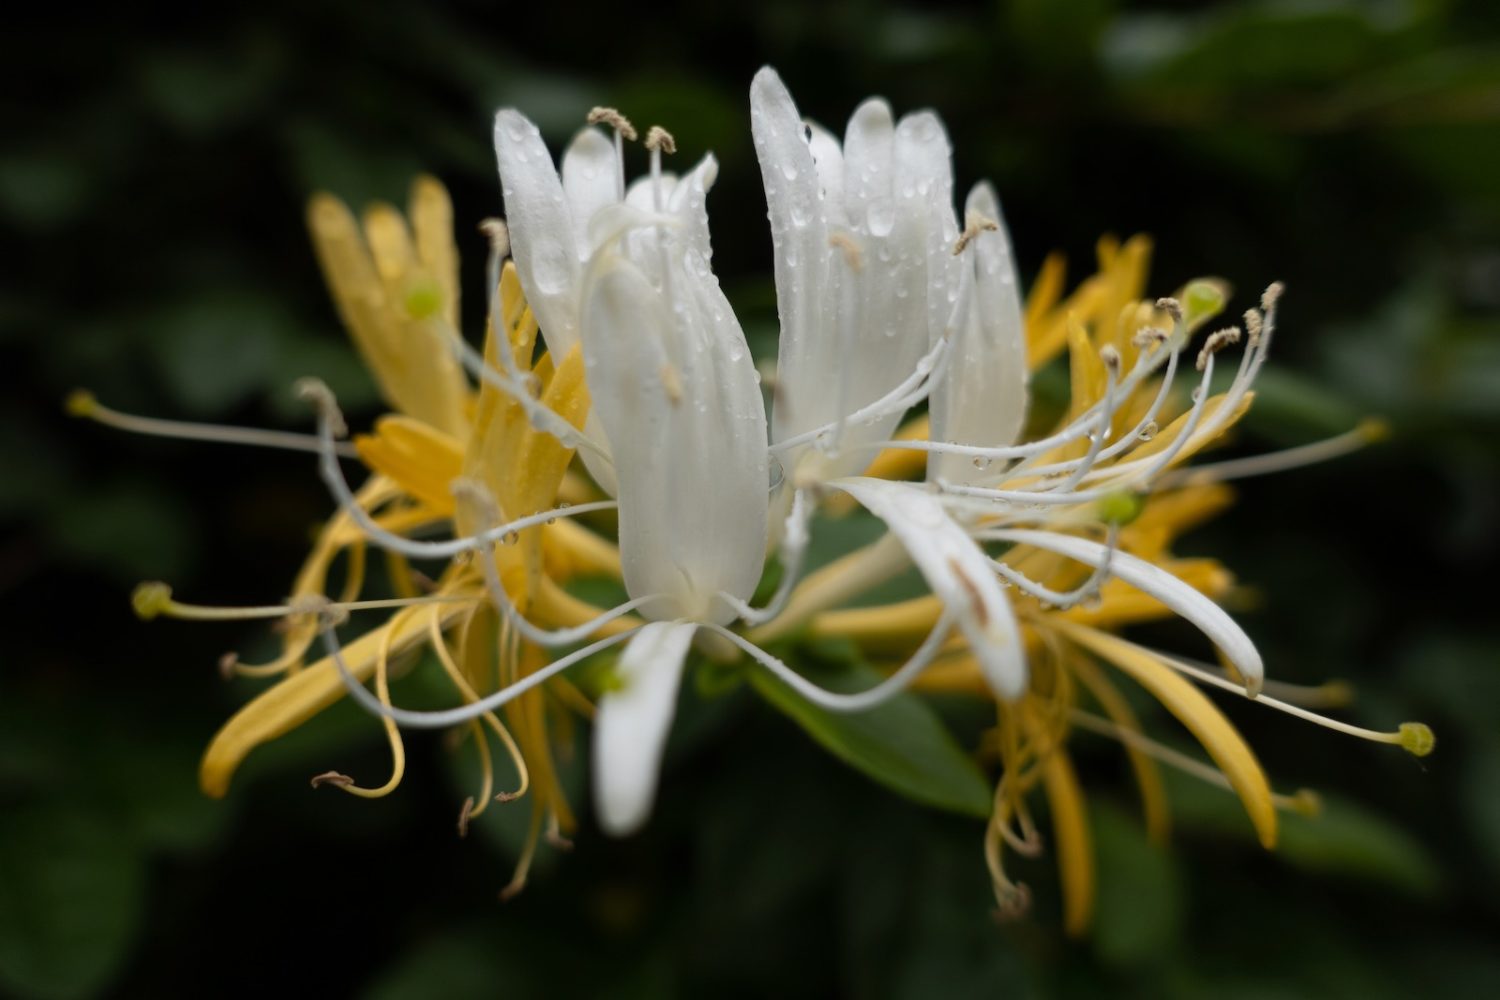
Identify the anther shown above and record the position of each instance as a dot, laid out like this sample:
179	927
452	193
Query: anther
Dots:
151	599
333	778
1270	295
1171	307
504	797
1254	324
316	392
853	255
1217	342
463	816
1374	429
498	233
1417	738
80	403
658	138
974	224
227	664
615	120
1111	358
557	840
1150	336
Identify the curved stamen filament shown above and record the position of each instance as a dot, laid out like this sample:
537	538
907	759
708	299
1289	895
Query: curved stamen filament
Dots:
1304	801
1368	432
155	598
333	477
1155	464
1414	737
839	701
793	548
445	657
82	403
456	716
1059	599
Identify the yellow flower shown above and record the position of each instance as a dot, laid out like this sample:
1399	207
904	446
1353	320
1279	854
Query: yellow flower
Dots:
1069	637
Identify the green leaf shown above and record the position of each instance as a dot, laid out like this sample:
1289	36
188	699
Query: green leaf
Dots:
70	902
900	743
1138	911
1342	840
1346	839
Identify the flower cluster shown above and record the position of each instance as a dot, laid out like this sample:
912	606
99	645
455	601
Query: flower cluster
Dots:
615	424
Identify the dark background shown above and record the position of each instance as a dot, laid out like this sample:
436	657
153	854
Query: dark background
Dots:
151	189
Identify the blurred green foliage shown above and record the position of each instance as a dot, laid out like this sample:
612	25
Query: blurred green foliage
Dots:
151	194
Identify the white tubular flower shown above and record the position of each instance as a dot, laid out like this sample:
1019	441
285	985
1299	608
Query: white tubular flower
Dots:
865	279
675	389
558	220
981	398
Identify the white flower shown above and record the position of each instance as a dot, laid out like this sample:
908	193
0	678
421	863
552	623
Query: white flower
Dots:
625	272
865	278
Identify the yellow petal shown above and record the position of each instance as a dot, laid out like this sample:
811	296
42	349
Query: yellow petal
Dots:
431	214
420	459
1222	741
1075	850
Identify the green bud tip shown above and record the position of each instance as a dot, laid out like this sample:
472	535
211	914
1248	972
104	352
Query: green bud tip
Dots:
424	299
1203	299
1417	738
1121	507
150	599
80	403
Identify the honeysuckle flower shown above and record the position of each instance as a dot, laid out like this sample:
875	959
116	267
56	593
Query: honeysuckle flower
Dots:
610	342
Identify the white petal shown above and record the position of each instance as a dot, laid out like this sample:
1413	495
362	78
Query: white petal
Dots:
869	168
689	202
958	572
590	179
631	725
675	390
642	191
1191	604
924	193
799	235
542	235
982	400
828	158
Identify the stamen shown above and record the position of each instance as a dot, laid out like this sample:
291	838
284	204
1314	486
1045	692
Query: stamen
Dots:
839	701
793	546
444	718
615	120
1304	801
1415	738
451	668
1368	431
82	403
659	139
498	233
333	477
334	778
469	491
1062	600
974	224
1217	342
154	598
